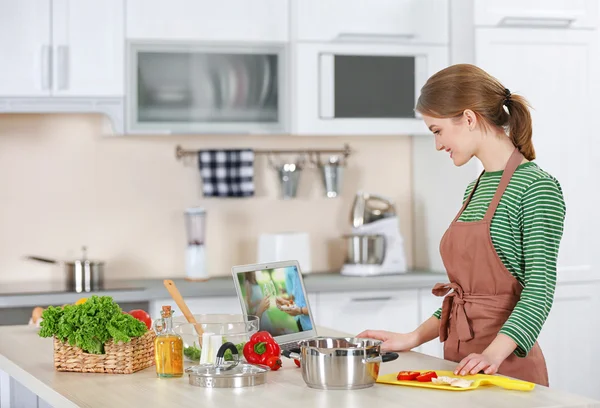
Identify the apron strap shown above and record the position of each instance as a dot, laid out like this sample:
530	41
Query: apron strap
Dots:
468	200
513	162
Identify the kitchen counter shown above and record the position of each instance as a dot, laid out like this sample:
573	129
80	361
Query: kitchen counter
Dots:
28	359
33	294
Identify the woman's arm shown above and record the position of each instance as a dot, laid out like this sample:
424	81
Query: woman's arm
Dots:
427	331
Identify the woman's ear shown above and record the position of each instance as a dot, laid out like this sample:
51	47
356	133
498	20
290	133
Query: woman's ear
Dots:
470	119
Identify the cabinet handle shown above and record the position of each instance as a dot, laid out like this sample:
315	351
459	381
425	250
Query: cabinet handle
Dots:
372	299
46	67
63	67
374	37
540	21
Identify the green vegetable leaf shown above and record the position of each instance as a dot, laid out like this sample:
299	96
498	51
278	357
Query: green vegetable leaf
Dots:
91	324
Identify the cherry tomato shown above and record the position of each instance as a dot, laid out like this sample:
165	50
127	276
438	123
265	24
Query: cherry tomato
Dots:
142	316
274	363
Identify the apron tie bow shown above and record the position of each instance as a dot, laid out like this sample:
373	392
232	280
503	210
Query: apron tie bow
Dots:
454	304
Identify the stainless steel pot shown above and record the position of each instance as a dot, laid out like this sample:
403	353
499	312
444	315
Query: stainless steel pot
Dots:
335	363
81	275
365	249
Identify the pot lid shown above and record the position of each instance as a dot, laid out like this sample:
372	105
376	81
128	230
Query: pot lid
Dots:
228	372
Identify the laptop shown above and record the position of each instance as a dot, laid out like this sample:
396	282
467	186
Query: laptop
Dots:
275	292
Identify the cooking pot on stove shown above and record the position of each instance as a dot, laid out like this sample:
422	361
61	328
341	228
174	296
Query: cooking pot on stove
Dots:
81	275
334	363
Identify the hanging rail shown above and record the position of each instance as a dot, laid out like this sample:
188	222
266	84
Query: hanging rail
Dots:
181	152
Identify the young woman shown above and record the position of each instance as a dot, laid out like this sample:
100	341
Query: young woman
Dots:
500	251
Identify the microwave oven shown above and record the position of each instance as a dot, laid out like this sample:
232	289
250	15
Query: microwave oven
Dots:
362	88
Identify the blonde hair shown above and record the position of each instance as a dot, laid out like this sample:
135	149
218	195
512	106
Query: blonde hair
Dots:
449	92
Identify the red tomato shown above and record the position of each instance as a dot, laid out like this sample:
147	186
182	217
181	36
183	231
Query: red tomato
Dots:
274	363
142	316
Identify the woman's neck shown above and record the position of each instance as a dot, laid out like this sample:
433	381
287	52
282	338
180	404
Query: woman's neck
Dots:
495	151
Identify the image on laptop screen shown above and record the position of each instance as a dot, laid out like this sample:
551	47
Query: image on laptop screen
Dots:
277	297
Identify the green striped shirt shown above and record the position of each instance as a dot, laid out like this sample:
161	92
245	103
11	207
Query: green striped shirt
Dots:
526	231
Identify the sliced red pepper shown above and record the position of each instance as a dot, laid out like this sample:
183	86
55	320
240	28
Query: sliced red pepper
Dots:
408	375
261	347
427	376
297	362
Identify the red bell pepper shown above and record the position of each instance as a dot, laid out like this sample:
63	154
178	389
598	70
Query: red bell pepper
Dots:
407	375
427	376
263	349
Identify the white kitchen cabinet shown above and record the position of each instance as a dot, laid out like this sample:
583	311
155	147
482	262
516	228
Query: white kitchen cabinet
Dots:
353	312
204	20
569	339
61	48
557	71
537	13
25	47
411	21
428	304
89	42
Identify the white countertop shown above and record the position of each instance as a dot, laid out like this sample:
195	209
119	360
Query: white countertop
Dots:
28	358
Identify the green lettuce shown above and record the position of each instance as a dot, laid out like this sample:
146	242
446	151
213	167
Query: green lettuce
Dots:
90	324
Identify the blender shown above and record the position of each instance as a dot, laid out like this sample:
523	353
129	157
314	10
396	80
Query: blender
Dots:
195	256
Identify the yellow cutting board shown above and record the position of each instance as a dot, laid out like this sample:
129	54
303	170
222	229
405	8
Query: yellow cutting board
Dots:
478	380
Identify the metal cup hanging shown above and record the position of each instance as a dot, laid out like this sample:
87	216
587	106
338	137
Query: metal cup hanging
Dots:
288	174
332	174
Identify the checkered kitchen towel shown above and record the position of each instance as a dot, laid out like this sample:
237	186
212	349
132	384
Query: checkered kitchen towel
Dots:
227	173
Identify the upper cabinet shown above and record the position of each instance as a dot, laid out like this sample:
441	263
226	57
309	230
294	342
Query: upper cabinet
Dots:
410	21
25	47
61	48
206	20
580	14
88	47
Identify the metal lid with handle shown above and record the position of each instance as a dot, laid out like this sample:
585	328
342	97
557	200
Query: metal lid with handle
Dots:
227	374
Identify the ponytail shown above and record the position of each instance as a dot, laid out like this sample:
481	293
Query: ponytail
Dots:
519	125
449	92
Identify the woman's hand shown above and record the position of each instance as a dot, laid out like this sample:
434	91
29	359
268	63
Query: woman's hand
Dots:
475	363
391	341
264	305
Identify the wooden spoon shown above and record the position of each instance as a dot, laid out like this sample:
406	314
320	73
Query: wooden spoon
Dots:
174	292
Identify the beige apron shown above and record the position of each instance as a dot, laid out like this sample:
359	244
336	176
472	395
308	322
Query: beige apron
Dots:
484	291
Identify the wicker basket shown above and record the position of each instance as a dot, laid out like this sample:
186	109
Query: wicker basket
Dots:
120	358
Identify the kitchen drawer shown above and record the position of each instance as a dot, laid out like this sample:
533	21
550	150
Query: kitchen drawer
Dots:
202	20
537	13
410	21
378	310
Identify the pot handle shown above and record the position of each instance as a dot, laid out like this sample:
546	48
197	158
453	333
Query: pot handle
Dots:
382	358
293	354
40	259
387	357
220	361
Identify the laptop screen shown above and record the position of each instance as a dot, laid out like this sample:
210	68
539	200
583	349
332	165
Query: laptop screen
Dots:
276	295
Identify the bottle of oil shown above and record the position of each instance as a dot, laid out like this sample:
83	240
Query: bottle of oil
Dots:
168	346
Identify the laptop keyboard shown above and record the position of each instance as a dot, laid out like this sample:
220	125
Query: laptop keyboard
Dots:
293	347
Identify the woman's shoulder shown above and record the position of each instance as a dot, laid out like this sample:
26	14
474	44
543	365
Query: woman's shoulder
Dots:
531	178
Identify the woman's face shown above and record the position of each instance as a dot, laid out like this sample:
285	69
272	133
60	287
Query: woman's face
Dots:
456	136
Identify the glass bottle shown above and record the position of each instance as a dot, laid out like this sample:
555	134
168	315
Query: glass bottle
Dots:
168	346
